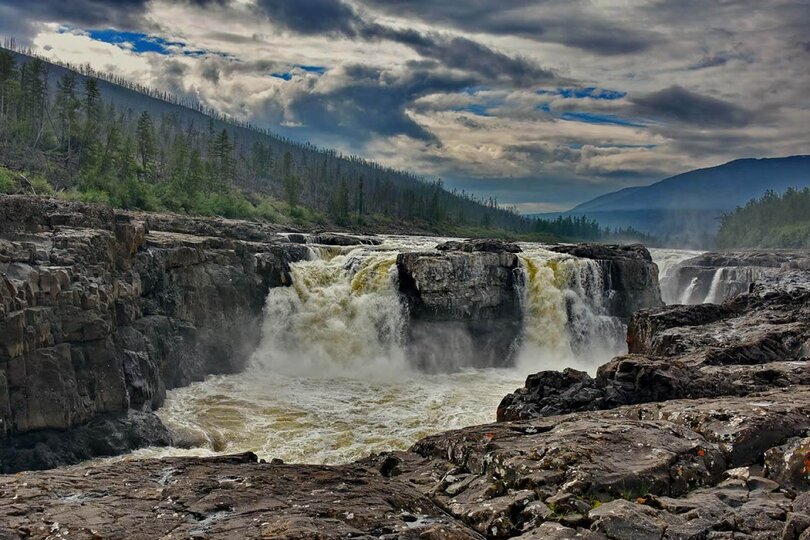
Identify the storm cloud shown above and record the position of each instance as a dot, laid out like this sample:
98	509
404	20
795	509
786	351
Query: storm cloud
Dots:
680	105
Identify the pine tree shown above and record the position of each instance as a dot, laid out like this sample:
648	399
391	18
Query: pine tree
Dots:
67	111
292	184
146	146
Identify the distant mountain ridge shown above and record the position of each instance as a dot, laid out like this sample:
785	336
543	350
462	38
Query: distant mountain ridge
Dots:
685	209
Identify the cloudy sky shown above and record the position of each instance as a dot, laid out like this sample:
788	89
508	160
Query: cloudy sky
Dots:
542	103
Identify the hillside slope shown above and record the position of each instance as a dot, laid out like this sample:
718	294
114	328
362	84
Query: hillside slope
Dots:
135	147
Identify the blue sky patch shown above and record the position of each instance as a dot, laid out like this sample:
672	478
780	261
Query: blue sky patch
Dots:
602	119
312	69
589	92
143	43
478	109
288	75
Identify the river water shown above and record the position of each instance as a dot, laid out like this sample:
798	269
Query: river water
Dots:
330	382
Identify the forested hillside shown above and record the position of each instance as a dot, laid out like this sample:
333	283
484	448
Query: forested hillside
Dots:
684	210
93	136
772	221
121	145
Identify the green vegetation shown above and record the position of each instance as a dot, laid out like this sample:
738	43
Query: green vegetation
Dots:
99	139
581	228
772	221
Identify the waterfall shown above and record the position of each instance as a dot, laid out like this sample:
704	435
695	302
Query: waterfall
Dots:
341	315
669	263
331	383
687	294
717	282
566	322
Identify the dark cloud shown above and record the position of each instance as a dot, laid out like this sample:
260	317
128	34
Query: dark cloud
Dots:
373	103
121	14
710	61
462	53
569	23
312	16
337	17
85	13
681	105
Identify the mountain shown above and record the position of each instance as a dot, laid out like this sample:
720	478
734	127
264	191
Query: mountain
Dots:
684	210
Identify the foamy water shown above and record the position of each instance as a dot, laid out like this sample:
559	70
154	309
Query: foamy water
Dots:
668	261
330	382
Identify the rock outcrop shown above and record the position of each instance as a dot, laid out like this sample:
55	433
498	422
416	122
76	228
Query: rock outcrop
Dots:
464	304
752	343
225	498
99	316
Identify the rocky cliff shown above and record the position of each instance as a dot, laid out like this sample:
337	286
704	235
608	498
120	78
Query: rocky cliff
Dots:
100	315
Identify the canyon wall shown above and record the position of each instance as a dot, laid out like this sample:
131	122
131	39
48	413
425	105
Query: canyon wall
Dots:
99	316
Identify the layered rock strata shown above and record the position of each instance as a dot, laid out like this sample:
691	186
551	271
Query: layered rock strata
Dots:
99	316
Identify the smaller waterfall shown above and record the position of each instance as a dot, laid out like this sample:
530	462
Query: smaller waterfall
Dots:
669	262
713	296
687	294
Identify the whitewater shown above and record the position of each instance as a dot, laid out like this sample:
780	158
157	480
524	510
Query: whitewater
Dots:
331	383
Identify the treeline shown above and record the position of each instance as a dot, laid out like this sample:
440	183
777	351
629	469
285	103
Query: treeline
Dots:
133	158
772	221
581	228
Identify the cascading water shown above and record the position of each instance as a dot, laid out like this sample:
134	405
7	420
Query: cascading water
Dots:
331	381
669	261
565	317
685	282
342	315
714	289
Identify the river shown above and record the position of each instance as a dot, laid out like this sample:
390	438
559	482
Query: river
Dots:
330	382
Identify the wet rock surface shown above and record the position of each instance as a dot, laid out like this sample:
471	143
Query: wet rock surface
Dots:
230	497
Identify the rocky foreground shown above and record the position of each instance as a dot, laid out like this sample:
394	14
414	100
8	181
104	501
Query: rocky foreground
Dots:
701	432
